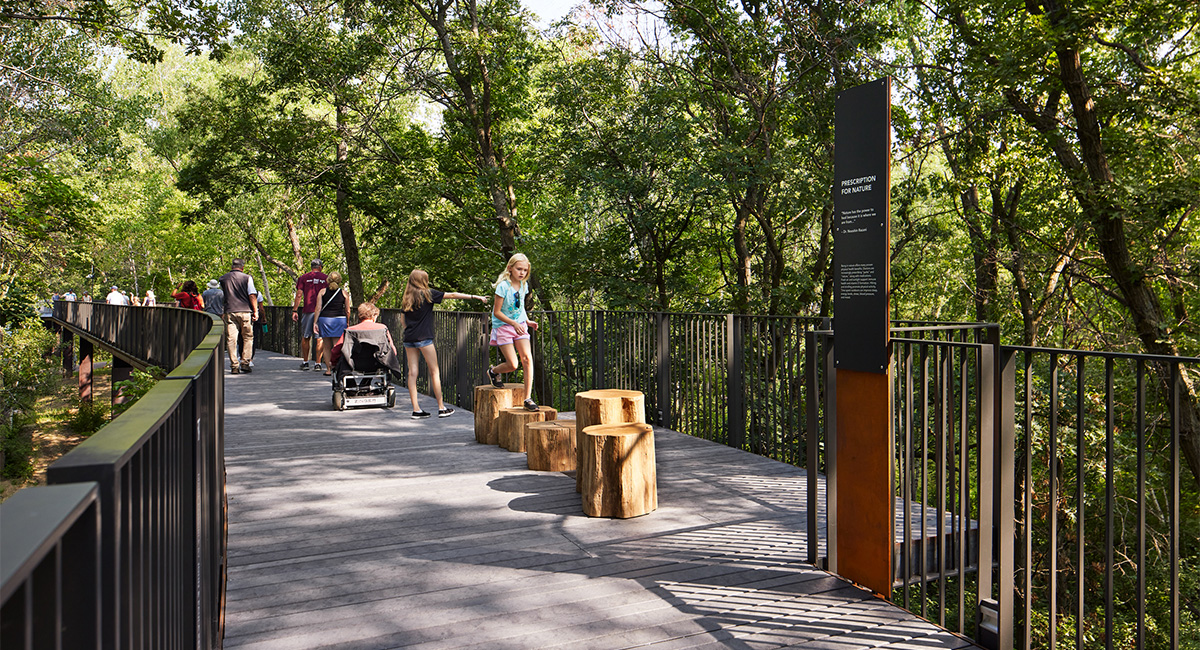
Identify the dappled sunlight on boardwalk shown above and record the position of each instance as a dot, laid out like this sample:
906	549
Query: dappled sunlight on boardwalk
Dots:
366	529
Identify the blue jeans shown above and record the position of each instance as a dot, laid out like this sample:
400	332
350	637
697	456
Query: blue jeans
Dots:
419	344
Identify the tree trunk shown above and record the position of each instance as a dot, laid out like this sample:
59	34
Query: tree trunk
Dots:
345	225
294	239
741	293
262	272
823	270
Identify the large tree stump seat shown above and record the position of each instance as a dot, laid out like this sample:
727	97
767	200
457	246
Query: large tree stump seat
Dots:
489	401
619	478
550	446
604	406
511	430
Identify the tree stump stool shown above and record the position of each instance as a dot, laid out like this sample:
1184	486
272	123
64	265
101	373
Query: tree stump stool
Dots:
489	401
550	446
604	406
511	428
618	472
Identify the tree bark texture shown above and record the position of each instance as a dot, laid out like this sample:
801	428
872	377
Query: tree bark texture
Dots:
550	446
605	406
489	402
510	431
618	470
345	225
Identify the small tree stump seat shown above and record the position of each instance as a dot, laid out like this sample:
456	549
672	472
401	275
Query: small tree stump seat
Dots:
604	406
618	473
511	429
550	446
489	401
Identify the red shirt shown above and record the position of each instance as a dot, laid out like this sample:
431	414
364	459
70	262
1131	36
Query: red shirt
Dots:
187	300
310	284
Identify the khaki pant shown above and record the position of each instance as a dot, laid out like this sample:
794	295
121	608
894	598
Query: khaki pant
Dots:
234	323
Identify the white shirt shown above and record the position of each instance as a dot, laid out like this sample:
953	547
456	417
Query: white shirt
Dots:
116	298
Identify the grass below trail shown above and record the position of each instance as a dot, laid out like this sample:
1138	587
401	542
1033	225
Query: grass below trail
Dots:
52	433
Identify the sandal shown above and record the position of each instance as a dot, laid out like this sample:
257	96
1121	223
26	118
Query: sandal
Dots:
327	373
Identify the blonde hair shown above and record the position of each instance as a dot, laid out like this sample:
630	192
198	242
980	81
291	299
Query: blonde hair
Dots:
512	261
368	311
334	279
416	292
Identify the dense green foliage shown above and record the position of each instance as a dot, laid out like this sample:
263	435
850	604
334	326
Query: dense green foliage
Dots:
27	371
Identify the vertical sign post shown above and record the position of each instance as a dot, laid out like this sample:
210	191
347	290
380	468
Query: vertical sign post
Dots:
862	182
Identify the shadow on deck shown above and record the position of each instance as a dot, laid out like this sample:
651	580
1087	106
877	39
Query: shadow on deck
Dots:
367	529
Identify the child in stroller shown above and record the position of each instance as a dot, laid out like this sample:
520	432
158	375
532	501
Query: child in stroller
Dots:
364	359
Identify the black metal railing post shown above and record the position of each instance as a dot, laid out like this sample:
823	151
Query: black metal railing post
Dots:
735	393
812	377
1006	413
662	323
462	369
1177	392
599	350
831	468
988	493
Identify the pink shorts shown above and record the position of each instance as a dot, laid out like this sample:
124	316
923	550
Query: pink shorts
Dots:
506	334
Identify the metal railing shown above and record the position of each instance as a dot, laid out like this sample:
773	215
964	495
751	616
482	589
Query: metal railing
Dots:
964	435
948	469
130	546
1098	499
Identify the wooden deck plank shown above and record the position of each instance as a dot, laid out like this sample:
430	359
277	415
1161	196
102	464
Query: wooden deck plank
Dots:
368	530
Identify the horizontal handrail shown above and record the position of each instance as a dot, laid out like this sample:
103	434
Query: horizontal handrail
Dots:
1128	356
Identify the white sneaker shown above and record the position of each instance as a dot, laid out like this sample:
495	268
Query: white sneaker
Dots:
251	363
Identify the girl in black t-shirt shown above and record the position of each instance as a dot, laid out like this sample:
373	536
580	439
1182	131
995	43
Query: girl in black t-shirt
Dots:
417	321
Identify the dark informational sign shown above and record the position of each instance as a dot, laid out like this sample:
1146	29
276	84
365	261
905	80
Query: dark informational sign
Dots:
862	184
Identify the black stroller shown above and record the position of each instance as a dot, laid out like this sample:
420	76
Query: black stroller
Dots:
361	376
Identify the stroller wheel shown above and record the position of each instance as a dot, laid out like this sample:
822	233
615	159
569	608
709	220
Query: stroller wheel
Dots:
391	396
339	400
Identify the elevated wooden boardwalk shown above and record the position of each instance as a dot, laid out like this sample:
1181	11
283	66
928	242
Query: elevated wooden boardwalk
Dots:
366	529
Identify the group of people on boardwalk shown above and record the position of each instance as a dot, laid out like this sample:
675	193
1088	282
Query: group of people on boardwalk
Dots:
322	308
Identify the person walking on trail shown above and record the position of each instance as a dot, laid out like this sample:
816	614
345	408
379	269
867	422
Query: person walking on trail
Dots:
511	325
189	296
416	320
214	299
241	310
115	297
305	304
259	320
332	316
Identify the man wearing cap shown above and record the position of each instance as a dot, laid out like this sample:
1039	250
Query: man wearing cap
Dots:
115	297
304	306
214	299
241	310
